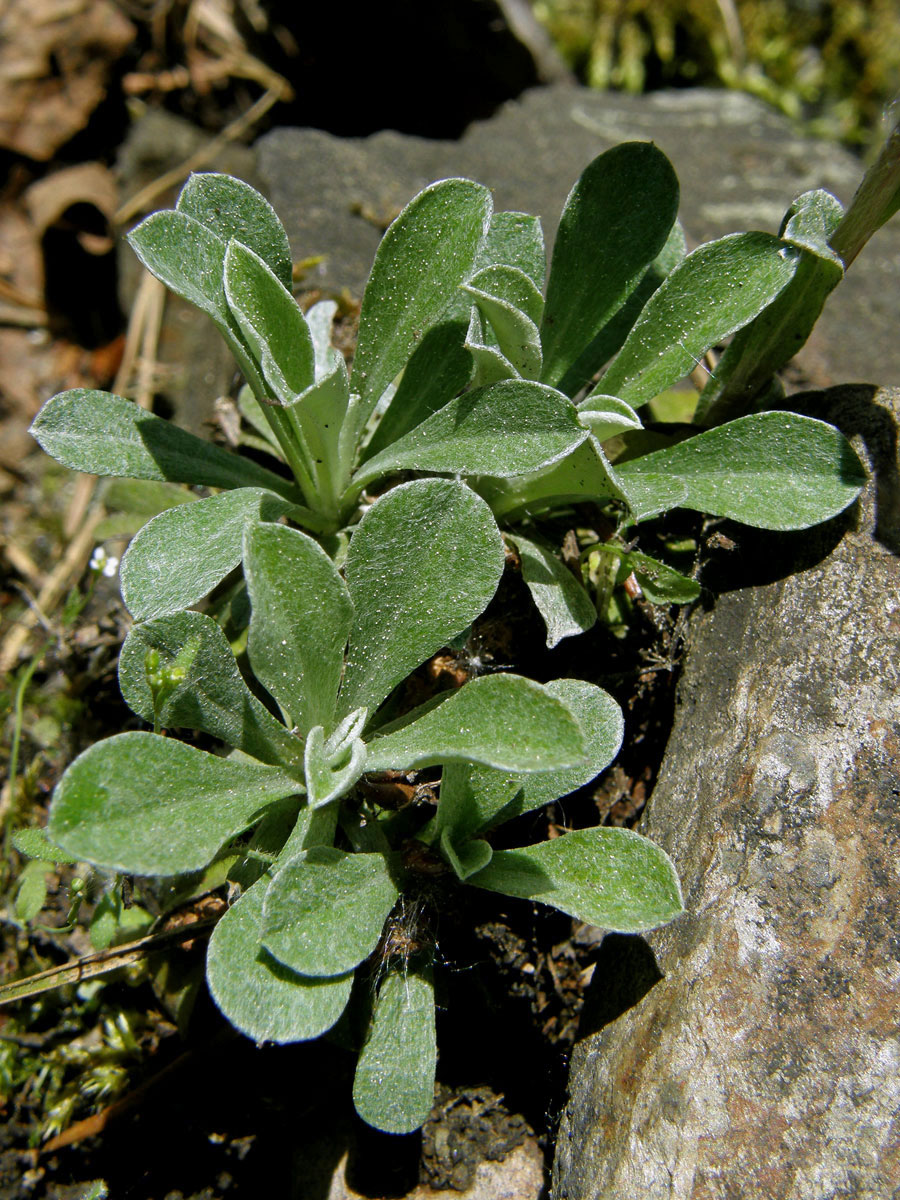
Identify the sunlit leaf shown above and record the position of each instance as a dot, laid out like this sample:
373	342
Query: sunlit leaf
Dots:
259	995
394	1085
423	563
325	910
300	621
773	470
150	805
613	878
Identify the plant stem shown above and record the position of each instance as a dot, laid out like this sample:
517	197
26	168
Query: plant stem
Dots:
876	201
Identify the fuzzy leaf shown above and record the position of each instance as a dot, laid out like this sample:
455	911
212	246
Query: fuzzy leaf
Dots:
491	364
271	322
585	474
320	320
510	286
325	910
772	470
331	774
764	346
610	338
31	891
561	600
35	844
508	299
149	805
212	695
506	428
104	434
477	798
717	289
515	239
394	1085
301	619
614	223
467	857
427	252
607	416
502	721
612	878
423	563
164	568
187	257
230	208
439	369
259	996
660	583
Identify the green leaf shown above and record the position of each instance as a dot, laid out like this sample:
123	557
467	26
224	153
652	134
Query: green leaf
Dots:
509	286
613	878
765	345
164	568
230	208
423	563
607	416
149	805
325	910
394	1085
112	922
427	252
501	720
585	474
31	891
211	697
773	470
320	320
477	798
271	322
439	369
466	858
145	497
491	365
506	428
561	600
187	257
508	299
610	338
104	434
259	996
614	223
515	239
717	289
35	844
301	619
660	583
332	767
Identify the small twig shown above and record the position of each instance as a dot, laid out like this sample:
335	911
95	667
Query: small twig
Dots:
104	962
147	195
58	581
22	561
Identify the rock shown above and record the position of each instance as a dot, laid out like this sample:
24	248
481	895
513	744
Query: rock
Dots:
740	164
751	1049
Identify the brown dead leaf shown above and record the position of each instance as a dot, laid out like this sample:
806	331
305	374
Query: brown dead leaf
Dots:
49	199
55	59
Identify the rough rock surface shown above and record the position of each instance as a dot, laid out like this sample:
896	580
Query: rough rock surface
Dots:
752	1049
739	162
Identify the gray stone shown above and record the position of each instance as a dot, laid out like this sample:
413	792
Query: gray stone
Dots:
739	162
751	1049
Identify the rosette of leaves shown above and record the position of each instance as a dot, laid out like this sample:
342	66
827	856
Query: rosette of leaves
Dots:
322	864
466	366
